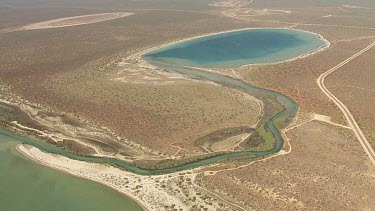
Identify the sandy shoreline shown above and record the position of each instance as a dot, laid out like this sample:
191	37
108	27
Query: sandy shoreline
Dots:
159	192
20	148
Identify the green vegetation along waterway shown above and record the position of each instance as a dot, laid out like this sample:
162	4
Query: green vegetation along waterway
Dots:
288	106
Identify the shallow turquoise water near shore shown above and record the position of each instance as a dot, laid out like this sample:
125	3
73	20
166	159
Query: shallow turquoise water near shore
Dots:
238	48
28	186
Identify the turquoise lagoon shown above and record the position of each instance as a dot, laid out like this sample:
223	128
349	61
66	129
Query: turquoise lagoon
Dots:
237	48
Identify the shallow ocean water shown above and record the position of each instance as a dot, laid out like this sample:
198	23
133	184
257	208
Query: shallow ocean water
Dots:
26	185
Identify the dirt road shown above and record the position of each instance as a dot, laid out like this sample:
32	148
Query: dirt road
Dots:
349	117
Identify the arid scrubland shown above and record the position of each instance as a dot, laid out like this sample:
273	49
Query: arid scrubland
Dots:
79	74
327	171
357	90
85	71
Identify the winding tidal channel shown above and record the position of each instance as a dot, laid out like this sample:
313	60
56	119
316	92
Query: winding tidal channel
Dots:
223	50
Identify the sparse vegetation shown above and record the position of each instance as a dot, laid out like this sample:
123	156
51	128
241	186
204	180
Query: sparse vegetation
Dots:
83	73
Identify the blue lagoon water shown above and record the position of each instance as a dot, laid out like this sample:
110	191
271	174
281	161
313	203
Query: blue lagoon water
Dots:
238	48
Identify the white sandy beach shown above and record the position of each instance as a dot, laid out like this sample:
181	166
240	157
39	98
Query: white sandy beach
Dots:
151	192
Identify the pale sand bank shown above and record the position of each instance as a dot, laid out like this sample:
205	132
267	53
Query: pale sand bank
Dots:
76	20
159	192
69	21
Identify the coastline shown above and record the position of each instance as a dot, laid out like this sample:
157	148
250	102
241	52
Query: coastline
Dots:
158	192
86	170
40	162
